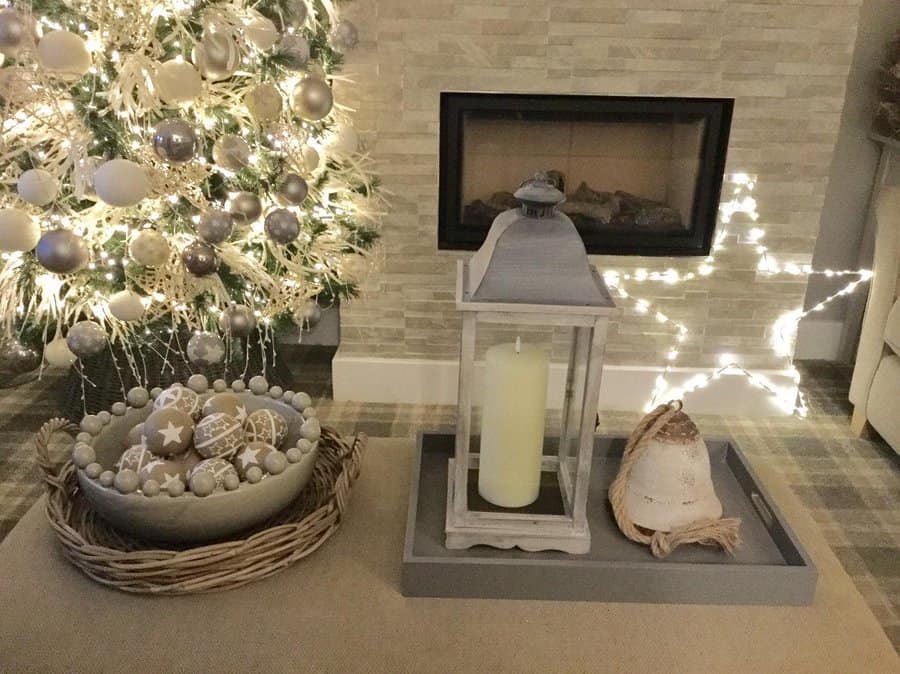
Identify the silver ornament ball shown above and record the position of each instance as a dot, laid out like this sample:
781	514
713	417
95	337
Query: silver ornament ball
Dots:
215	226
62	251
199	258
343	36
294	51
245	207
205	349
86	339
237	321
217	56
175	141
16	31
312	99
17	358
282	226
292	190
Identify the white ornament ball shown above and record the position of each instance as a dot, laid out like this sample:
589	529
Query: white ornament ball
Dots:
310	158
261	33
301	401
58	354
178	82
64	53
258	384
198	383
149	248
311	430
137	396
18	232
220	385
119	408
37	186
126	305
83	454
120	182
107	477
126	481
275	463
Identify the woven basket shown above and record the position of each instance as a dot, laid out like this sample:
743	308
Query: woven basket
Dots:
112	558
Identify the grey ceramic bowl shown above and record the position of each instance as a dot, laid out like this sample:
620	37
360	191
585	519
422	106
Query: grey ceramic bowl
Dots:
188	518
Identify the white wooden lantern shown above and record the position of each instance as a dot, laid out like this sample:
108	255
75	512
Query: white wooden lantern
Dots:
531	271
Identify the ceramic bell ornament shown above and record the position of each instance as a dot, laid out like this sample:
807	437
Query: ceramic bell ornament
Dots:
663	495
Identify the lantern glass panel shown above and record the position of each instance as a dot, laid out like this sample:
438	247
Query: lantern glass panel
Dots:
519	395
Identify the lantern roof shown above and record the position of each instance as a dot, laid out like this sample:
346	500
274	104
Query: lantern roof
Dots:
534	255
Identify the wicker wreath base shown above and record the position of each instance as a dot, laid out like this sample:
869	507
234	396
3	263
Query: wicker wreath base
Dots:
112	558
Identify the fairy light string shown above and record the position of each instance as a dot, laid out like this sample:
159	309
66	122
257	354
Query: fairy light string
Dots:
783	331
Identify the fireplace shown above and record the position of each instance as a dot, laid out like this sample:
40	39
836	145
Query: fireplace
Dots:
641	175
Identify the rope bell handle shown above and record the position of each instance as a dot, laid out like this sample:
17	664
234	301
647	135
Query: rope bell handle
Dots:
722	532
54	472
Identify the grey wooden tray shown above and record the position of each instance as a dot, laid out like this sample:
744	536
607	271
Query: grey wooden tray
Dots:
770	568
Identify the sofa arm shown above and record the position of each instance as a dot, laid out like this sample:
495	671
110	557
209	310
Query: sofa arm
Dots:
882	293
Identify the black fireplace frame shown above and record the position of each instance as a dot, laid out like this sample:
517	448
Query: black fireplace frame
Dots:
697	239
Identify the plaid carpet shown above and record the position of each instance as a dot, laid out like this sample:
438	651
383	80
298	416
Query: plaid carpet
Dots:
850	486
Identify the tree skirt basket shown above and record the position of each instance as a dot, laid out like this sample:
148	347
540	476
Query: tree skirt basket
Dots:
115	559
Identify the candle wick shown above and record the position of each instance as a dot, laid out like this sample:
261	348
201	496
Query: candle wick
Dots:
518	344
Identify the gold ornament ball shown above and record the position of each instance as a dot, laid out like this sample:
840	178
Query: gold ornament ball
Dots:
312	99
264	102
177	82
149	248
18	231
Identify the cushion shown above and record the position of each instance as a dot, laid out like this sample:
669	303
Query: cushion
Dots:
892	328
883	405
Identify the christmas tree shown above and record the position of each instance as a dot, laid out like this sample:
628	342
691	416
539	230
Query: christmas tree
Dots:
172	165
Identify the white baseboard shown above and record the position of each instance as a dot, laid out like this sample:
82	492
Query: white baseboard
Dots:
819	340
625	387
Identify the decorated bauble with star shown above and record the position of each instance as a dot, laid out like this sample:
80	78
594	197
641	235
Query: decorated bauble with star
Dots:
180	397
237	320
168	431
135	458
135	435
218	434
187	460
217	469
253	454
165	472
226	403
205	349
265	425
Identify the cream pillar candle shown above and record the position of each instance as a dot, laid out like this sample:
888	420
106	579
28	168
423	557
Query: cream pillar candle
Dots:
512	424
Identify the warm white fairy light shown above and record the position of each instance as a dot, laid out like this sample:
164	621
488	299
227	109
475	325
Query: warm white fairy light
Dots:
783	332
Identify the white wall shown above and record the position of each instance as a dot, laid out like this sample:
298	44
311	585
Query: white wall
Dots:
823	334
